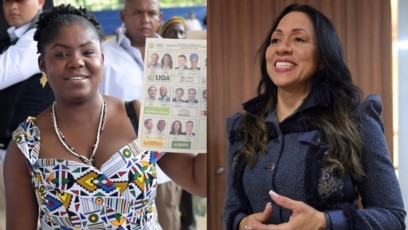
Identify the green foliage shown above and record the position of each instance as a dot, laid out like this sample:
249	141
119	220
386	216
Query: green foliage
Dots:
181	3
199	205
99	5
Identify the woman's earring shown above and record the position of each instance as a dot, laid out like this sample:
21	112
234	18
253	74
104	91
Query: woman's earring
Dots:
43	79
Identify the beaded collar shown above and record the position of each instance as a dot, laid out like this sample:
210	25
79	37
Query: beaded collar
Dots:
61	137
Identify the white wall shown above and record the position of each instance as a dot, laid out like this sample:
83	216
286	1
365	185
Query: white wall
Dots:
403	98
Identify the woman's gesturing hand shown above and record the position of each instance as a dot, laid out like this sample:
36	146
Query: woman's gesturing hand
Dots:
256	219
303	216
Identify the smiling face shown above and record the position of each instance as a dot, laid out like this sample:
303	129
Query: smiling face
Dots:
141	18
21	12
292	57
163	91
73	61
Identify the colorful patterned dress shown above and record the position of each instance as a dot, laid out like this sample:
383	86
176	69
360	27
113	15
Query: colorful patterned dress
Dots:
74	195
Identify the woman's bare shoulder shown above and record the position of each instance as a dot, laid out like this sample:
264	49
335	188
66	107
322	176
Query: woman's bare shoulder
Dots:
43	119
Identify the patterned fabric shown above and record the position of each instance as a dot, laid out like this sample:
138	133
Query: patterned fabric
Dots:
73	195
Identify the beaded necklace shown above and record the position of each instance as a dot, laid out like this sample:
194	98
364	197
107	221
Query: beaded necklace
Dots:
70	149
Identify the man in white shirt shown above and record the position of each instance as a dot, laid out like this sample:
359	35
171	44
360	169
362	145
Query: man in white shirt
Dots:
22	93
123	78
23	90
24	50
124	64
192	22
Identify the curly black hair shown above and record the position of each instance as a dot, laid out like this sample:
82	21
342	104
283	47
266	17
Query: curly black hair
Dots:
51	21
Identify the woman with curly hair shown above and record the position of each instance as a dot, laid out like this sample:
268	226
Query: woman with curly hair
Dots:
78	164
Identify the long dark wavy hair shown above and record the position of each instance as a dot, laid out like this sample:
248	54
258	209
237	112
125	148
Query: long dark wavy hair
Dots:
339	128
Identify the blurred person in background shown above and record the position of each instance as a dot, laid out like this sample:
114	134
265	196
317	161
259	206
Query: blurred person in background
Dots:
193	23
175	27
